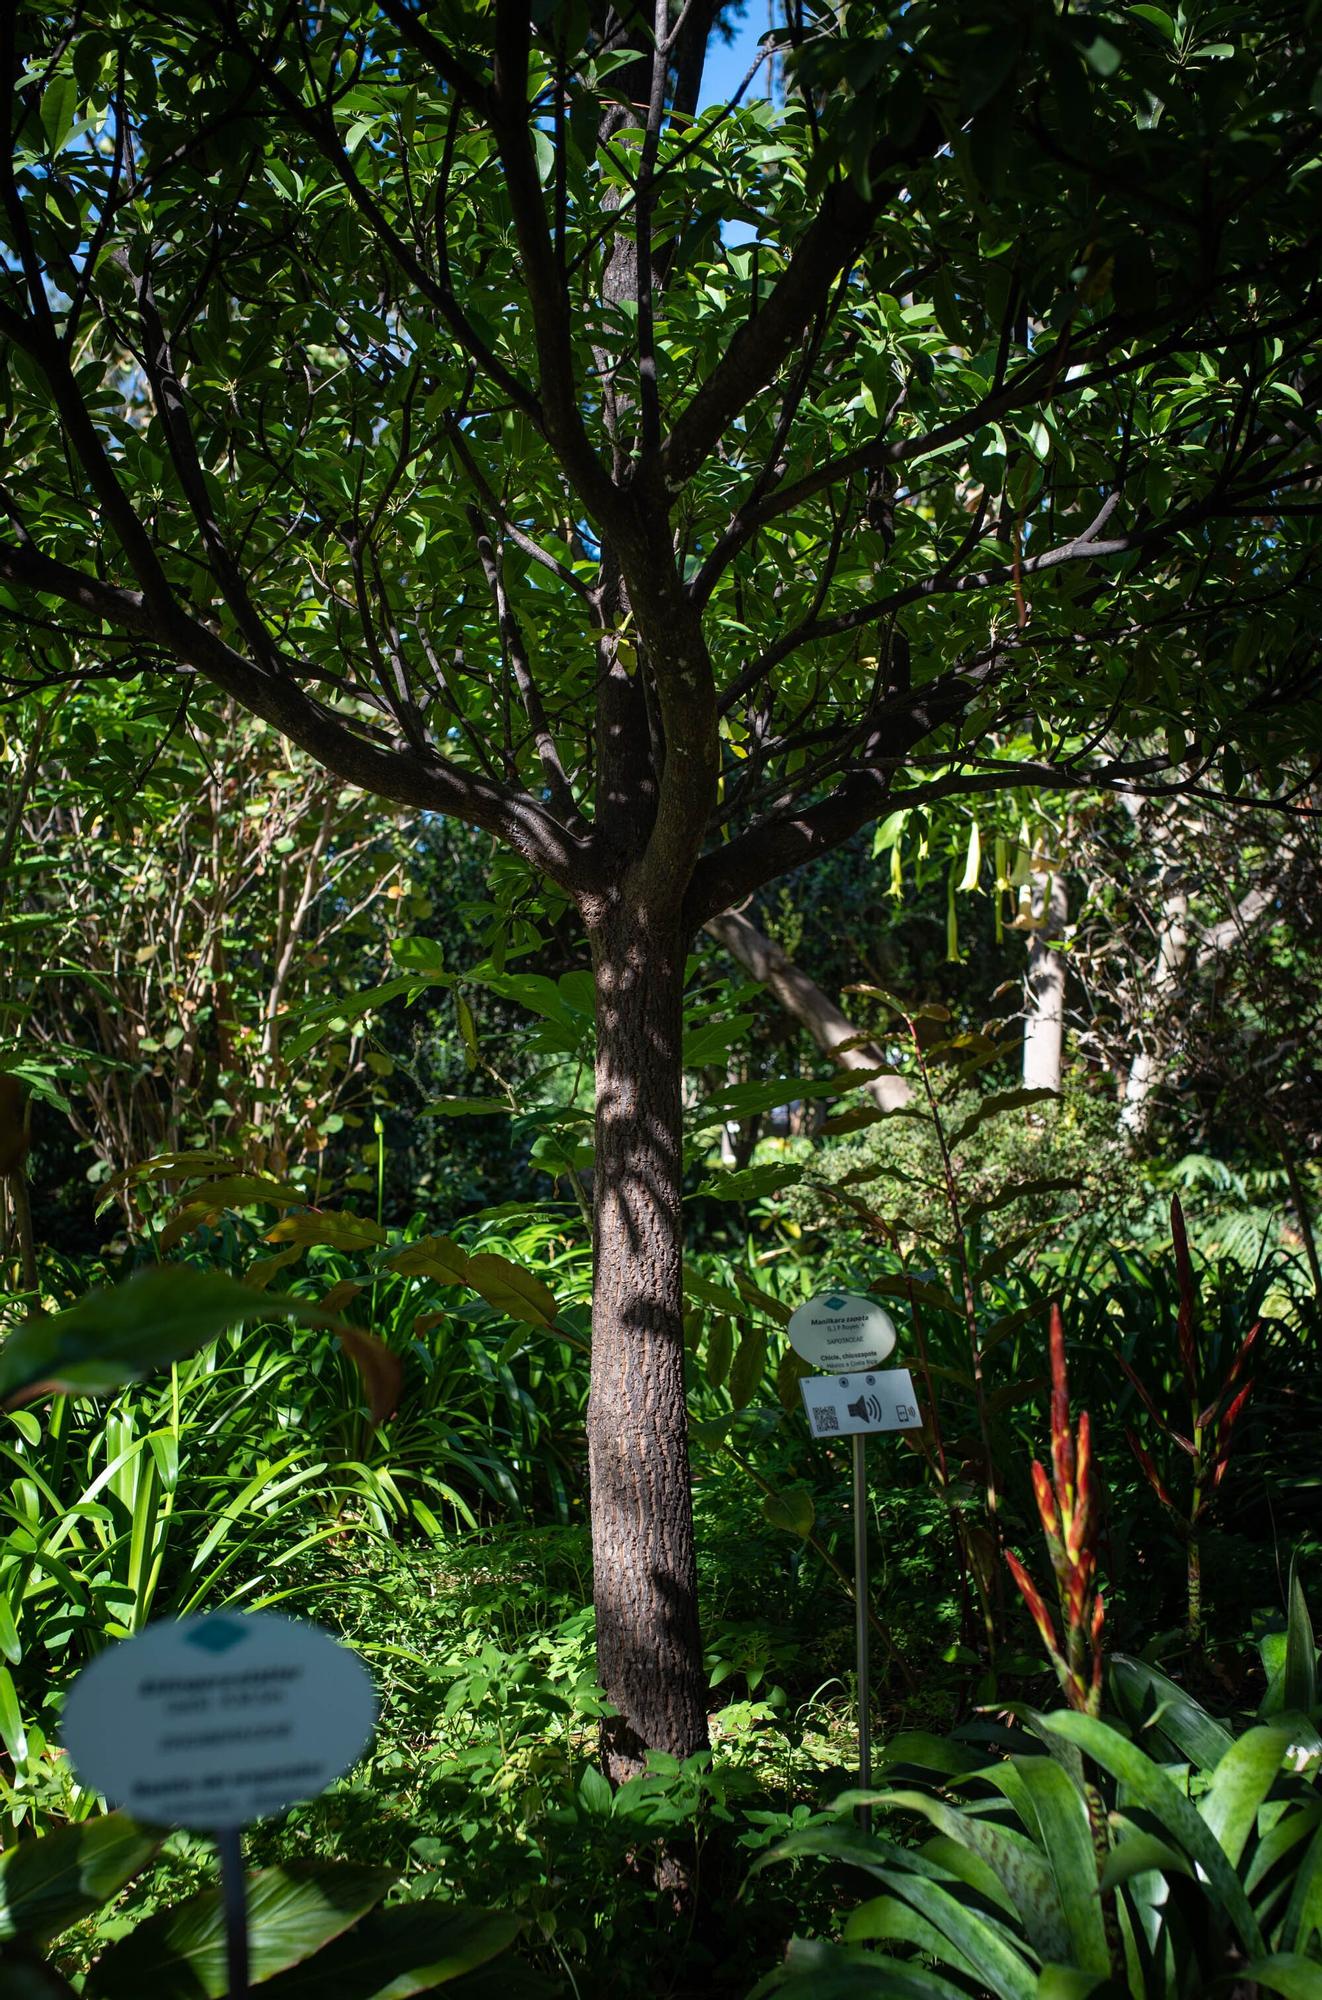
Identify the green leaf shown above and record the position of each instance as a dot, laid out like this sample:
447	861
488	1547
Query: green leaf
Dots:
1240	1783
749	1365
1284	1972
1066	1839
750	1183
59	106
293	1910
111	1337
792	1512
1150	1786
1299	1682
49	1883
1141	1854
1148	1701
720	1351
1303	1916
1103	56
511	1289
595	1793
396	1953
1020	1868
1159	19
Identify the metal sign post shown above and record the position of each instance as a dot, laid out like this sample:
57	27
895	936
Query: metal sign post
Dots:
862	1598
234	1902
217	1721
852	1332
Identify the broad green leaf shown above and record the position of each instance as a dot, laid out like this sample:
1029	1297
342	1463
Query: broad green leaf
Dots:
293	1911
817	1970
1150	1702
1302	1925
1141	1854
1240	1783
510	1289
1000	1966
111	1337
1066	1840
1071	1982
888	1917
396	1953
1018	1865
59	106
749	1365
792	1512
1149	1786
720	1351
1284	1972
49	1883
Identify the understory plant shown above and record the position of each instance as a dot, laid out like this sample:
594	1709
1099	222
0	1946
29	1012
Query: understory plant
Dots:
315	1927
1154	1852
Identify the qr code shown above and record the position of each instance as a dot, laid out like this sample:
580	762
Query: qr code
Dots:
824	1418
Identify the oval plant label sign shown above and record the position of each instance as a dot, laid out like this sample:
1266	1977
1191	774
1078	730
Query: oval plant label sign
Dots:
220	1720
842	1333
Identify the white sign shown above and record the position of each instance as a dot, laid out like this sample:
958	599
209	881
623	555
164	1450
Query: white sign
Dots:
842	1332
841	1404
220	1720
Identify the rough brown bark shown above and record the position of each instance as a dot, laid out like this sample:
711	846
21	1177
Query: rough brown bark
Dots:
649	1650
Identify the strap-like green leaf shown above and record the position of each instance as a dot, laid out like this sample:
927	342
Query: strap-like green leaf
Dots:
1151	1787
1285	1972
1150	1702
1303	1915
1299	1687
1021	1870
1240	1783
1066	1840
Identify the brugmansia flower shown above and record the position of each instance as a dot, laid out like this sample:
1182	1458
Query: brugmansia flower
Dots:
1069	1505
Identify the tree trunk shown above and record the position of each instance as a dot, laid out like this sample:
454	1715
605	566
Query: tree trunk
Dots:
1148	1070
1044	1019
649	1647
804	999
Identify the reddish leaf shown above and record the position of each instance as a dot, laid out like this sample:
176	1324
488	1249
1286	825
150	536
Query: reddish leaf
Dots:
1145	1397
1223	1433
1062	1444
1032	1598
1046	1505
1144	1457
1077	1537
382	1372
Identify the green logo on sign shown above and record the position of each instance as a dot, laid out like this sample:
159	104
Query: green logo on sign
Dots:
217	1635
835	1304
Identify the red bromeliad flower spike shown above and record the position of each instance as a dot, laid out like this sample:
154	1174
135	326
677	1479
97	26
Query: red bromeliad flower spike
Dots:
1068	1505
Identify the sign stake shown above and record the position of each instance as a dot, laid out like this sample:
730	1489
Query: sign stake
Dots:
234	1902
862	1636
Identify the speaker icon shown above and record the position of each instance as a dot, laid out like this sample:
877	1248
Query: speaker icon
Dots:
865	1409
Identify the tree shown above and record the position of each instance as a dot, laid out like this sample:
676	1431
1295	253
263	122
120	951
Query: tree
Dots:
388	371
